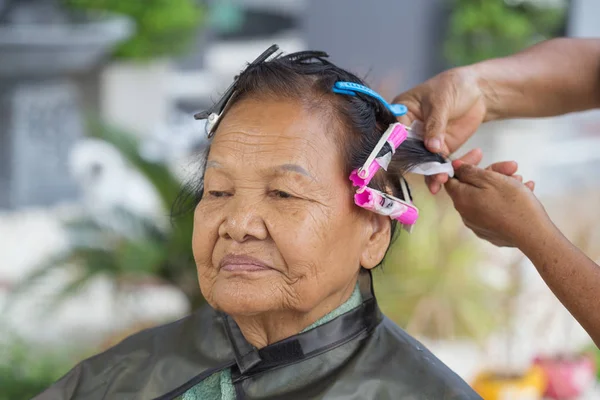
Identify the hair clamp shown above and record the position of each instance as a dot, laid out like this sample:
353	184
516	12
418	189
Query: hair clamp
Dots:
384	204
213	115
351	89
394	136
371	199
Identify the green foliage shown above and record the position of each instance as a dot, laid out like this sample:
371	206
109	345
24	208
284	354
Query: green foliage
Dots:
25	372
163	27
140	253
594	352
430	284
483	29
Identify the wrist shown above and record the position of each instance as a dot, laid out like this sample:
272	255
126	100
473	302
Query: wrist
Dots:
483	75
502	87
538	238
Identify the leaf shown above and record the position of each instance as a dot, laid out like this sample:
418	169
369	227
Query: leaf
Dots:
479	30
163	28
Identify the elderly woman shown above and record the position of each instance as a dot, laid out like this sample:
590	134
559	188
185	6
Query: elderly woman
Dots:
284	254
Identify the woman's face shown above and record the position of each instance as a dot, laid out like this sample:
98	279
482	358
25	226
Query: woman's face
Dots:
277	228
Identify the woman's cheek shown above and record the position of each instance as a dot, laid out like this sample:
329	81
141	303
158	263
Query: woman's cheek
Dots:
298	232
205	235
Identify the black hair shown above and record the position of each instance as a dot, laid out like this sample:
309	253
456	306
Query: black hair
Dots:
359	120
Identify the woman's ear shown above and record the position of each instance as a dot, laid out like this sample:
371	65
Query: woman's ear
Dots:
378	234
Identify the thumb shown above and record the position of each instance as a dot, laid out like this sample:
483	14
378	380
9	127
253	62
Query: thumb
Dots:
470	174
454	187
435	128
507	168
459	192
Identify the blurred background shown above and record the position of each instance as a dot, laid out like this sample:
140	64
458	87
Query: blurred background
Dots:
96	135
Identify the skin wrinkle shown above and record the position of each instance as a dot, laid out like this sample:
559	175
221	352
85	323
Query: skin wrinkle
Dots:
316	240
284	184
326	104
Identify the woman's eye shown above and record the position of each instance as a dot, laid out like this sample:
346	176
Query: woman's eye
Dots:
217	193
281	194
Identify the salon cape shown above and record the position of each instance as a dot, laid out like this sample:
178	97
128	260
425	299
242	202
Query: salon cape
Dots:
359	355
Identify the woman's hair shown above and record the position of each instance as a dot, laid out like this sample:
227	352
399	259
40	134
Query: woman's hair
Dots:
359	121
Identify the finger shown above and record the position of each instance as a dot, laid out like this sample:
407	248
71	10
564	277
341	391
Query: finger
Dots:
464	197
453	187
432	184
411	104
530	185
472	157
405	120
434	187
429	179
456	164
507	168
435	127
440	178
459	191
470	174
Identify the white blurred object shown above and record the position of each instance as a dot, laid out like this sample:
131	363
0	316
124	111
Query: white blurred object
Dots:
227	59
29	236
196	85
464	357
136	96
179	138
91	313
107	182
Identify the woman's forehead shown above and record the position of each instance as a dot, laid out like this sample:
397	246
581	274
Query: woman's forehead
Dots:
274	133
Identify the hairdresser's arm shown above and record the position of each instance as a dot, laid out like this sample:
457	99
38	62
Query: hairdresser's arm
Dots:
505	212
570	274
552	78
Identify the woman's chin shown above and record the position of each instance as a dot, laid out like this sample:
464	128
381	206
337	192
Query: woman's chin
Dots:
244	297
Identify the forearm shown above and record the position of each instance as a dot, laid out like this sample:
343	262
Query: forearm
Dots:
551	78
571	275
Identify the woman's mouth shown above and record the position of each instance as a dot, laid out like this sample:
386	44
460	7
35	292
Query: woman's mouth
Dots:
242	263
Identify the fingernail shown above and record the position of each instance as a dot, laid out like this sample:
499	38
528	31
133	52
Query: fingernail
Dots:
434	144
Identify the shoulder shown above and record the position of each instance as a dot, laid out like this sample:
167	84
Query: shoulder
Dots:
404	368
170	354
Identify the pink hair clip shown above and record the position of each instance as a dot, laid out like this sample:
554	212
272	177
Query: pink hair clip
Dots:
384	204
374	200
394	135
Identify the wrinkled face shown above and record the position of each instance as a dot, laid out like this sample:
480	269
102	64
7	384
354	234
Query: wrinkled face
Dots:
277	228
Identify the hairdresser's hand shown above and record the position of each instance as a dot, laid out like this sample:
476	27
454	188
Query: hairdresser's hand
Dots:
452	106
496	205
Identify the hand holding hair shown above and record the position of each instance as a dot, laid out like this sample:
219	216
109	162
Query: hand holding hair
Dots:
495	204
554	77
498	207
452	107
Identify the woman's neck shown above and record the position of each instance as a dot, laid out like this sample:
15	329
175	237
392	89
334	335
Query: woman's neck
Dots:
263	329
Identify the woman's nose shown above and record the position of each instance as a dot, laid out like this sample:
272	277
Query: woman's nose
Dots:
243	221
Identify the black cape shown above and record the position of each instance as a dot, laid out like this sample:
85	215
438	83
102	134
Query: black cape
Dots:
358	355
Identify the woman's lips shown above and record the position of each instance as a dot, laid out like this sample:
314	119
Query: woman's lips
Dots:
241	263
